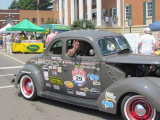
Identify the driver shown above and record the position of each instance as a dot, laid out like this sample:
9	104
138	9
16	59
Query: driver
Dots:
77	49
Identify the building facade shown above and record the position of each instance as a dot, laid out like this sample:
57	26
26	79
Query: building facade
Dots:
141	12
15	16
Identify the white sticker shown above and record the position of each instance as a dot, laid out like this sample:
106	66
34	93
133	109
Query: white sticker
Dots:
96	83
56	87
46	77
80	93
59	69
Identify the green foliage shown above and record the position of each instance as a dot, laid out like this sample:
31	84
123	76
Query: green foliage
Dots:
31	4
13	5
82	24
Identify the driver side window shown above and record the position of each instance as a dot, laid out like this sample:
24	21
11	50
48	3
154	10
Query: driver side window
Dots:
83	50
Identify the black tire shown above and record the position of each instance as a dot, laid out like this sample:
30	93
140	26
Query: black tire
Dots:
136	107
28	88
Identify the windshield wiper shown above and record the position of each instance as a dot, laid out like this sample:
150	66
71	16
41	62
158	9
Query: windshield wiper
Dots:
127	50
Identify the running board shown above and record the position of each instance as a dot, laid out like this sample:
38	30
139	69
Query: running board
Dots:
84	102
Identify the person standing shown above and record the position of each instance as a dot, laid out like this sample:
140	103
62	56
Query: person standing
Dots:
9	44
1	42
50	36
4	41
147	43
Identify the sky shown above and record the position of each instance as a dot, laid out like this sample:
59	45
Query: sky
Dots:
4	4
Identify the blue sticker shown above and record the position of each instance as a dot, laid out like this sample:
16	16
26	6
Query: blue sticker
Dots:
93	77
107	104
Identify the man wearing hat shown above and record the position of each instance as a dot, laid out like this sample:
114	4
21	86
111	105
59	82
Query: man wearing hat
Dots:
147	43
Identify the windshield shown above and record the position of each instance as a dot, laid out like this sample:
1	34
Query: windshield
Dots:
109	45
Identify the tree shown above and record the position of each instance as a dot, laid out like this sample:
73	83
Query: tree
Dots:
32	4
13	5
82	24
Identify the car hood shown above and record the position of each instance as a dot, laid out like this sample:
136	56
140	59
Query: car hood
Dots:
133	58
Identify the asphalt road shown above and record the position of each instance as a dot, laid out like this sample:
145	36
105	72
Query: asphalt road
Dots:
14	107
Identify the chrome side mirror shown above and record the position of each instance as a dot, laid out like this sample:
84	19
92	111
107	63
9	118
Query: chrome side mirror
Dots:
91	52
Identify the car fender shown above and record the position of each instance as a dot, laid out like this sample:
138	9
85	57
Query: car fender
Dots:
35	74
148	87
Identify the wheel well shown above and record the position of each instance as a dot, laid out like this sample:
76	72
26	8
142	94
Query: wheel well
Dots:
22	76
120	100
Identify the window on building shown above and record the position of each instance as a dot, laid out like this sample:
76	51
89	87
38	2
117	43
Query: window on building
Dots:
94	1
42	20
49	19
127	12
34	20
26	18
149	9
113	11
63	4
57	6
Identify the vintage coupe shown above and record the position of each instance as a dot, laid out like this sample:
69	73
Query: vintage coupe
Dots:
107	76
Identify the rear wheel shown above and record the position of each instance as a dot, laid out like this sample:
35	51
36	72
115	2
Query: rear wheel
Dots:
28	88
136	107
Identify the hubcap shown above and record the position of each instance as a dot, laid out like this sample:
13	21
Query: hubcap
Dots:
138	108
28	86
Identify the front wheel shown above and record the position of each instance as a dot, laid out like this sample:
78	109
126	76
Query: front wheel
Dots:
28	88
136	107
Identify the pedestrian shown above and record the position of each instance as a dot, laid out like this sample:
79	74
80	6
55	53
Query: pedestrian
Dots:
4	41
115	19
9	44
1	40
107	20
147	43
111	21
50	36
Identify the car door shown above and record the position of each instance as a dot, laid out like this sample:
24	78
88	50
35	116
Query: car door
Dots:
81	74
52	70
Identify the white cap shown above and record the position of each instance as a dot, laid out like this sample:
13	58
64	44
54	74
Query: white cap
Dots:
147	29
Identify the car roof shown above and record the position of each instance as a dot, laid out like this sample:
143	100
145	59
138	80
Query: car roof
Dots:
90	34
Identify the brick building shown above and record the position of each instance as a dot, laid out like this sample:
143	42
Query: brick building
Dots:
15	16
142	12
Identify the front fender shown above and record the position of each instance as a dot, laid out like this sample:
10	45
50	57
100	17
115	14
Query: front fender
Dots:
35	74
148	87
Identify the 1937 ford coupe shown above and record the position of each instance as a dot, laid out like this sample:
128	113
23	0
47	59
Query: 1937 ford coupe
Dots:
106	76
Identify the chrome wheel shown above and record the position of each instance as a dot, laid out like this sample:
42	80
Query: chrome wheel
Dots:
138	108
27	87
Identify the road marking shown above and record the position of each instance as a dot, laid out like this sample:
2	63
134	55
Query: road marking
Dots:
11	67
6	86
13	58
7	75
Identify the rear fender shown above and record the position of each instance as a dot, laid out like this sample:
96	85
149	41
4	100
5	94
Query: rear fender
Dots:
148	87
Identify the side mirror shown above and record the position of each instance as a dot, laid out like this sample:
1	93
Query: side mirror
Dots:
91	52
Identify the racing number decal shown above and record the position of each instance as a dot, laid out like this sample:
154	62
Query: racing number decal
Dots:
79	76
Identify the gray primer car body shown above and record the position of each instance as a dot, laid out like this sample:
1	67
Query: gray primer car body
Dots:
118	74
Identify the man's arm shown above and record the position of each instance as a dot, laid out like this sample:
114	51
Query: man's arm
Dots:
139	46
154	48
47	40
72	51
